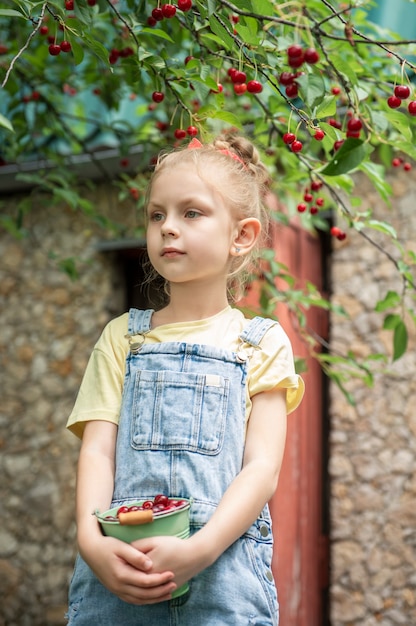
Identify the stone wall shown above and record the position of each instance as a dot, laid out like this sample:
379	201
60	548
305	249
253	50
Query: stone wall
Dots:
48	327
373	445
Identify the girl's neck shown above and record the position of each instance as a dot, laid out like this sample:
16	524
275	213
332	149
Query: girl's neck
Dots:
190	305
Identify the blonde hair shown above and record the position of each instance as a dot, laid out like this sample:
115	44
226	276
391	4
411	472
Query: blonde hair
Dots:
242	181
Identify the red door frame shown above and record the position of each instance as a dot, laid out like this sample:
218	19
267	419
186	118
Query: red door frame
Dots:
300	563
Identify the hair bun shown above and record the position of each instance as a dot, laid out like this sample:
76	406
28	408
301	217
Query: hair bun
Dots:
247	152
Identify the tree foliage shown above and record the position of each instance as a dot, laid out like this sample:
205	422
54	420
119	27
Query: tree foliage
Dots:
322	90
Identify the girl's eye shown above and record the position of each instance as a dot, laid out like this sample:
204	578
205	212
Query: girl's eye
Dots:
192	213
156	217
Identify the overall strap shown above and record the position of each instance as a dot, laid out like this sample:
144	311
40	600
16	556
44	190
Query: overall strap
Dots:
139	321
256	329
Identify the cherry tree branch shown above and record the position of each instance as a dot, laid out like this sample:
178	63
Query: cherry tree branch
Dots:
26	45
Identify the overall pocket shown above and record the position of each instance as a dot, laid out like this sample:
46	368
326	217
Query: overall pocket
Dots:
179	411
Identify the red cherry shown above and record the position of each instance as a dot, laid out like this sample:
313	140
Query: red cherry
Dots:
296	146
180	133
289	138
407	167
313	210
320	201
134	192
354	124
394	102
301	207
151	21
65	46
338	144
184	5
161	499
334	123
411	107
43	30
158	96
126	52
286	78
294	51
353	133
122	509
316	185
341	236
157	14
69	5
91	3
35	95
335	91
238	77
311	56
168	10
292	90
307	196
319	134
402	92
148	504
192	131
396	162
296	61
113	56
335	231
240	88
254	86
134	507
54	49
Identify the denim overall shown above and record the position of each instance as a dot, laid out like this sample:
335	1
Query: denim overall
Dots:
181	433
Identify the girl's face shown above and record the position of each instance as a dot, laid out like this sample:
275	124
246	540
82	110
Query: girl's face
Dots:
190	230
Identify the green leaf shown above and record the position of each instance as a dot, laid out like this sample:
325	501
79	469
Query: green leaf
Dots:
376	173
400	121
263	7
391	321
227	116
218	29
400	338
312	88
12	13
347	158
155	32
390	300
383	227
6	123
326	108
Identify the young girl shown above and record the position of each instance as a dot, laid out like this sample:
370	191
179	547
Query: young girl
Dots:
188	401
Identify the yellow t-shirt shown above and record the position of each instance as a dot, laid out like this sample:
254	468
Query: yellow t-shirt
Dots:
270	367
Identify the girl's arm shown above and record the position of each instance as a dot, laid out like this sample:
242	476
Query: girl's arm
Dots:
124	570
242	502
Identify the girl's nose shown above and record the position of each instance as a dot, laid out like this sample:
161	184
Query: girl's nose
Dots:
169	228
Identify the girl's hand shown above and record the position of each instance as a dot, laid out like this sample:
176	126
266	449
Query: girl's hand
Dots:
173	554
128	573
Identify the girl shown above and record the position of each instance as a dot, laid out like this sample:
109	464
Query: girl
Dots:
191	401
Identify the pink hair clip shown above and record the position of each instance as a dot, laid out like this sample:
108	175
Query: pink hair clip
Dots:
195	144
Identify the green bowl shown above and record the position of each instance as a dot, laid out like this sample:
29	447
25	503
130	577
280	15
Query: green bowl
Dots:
174	523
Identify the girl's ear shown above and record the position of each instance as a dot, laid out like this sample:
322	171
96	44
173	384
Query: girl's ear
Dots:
245	237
